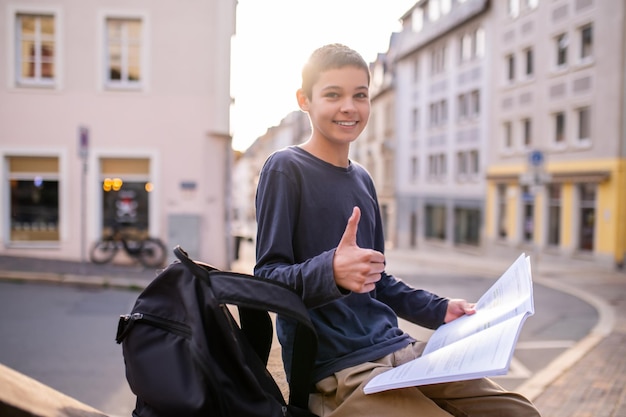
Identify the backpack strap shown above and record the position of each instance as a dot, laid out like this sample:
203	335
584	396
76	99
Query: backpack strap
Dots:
252	293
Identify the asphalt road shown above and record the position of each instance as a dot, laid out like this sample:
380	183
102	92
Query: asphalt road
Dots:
63	336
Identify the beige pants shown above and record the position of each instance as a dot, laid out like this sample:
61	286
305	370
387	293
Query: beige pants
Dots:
341	395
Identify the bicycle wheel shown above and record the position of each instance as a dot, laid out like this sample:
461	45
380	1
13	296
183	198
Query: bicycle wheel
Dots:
103	251
152	254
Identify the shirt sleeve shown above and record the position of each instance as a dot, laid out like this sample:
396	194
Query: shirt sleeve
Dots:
415	305
277	210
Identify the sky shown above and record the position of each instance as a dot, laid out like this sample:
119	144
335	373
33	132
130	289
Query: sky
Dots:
275	37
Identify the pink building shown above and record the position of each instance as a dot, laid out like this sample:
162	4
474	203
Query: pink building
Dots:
115	111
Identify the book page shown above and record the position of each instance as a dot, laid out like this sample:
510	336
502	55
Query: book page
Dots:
485	353
509	296
473	346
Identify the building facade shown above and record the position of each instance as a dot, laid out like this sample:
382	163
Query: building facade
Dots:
442	85
294	129
556	180
115	112
375	148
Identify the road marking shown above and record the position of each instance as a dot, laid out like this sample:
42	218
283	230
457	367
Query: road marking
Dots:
546	344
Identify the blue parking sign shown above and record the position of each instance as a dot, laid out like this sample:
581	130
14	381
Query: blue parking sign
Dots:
536	158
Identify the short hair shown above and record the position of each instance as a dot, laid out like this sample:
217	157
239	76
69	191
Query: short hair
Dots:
327	57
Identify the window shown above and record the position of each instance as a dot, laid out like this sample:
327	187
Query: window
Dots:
532	4
443	104
442	165
417	19
437	165
528	53
124	53
527	128
445	6
479	43
414	169
463	106
416	119
559	127
510	68
474	162
513	8
416	70
438	113
475	103
438	60
508	135
586	42
584	124
434	11
34	196
35	47
561	50
466	47
461	161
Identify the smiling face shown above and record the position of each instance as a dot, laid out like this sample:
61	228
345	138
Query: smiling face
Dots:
338	106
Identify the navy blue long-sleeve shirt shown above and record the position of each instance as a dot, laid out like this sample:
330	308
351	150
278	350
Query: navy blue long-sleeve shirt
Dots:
303	205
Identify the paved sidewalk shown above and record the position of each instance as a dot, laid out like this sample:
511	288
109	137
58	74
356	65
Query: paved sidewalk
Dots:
588	380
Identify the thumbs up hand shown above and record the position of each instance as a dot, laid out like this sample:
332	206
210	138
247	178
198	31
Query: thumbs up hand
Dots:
356	269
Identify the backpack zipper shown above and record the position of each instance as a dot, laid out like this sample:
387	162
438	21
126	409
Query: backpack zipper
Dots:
127	321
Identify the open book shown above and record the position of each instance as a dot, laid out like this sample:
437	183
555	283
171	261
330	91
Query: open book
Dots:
472	346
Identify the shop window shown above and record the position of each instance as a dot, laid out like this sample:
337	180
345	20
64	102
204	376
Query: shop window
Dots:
125	194
587	204
34	199
528	214
466	226
502	208
435	222
554	214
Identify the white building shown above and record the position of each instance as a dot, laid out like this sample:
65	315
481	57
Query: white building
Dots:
147	85
442	88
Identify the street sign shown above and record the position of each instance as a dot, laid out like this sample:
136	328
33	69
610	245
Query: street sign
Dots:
83	141
536	158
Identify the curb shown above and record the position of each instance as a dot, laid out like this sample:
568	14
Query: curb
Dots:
535	385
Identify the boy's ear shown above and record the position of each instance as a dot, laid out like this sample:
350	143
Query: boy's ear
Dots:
303	100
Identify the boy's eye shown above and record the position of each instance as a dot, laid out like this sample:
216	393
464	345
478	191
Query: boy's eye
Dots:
331	95
361	95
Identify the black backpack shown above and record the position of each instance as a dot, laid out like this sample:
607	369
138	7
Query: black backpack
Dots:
186	356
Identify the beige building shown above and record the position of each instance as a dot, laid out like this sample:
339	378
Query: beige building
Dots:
557	174
115	112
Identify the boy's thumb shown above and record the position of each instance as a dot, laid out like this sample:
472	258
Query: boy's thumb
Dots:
349	235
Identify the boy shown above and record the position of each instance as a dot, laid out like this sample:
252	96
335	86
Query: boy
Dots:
320	232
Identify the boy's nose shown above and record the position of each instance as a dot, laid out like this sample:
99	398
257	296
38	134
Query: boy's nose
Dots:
347	105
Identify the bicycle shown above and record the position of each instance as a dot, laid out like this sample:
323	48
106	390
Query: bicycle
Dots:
149	251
